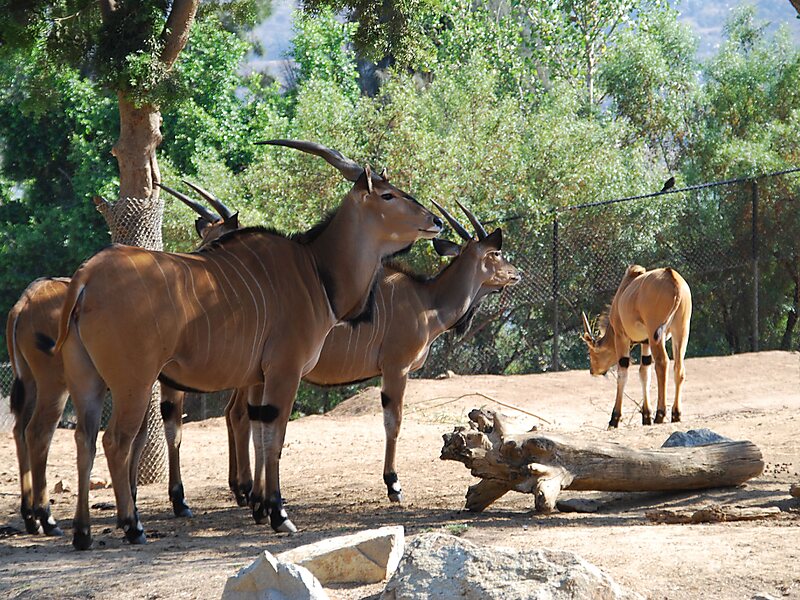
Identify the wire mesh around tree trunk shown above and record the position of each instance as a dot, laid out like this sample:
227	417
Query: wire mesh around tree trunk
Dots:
137	222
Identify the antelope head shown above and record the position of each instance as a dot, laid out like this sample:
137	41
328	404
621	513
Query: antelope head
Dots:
492	271
602	356
208	225
397	217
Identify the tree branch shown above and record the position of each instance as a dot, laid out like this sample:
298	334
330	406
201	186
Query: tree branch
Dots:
176	30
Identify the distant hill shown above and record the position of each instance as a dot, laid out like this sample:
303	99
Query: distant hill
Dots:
706	17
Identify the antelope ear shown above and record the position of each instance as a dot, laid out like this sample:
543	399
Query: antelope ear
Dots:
385	174
232	222
201	226
364	181
446	247
588	339
494	239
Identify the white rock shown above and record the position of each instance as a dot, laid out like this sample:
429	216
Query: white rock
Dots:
439	566
266	578
365	557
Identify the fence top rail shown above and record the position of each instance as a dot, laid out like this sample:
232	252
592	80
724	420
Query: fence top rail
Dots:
555	210
680	190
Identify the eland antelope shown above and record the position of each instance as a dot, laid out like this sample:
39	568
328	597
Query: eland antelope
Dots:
252	308
648	308
39	390
411	311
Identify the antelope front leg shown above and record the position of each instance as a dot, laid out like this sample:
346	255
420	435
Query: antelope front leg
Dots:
644	378
622	378
268	422
392	394
240	479
661	359
172	416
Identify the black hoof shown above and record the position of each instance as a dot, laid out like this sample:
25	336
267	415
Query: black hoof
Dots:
676	417
614	422
49	524
260	511
393	488
278	519
32	524
660	417
81	539
647	419
134	534
182	510
241	491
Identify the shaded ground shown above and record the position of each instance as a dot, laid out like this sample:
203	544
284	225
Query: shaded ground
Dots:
331	472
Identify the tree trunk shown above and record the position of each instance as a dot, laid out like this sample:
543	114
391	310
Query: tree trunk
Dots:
543	465
136	220
135	150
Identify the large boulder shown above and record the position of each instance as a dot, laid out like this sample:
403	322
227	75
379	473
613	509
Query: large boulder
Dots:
267	578
445	567
365	557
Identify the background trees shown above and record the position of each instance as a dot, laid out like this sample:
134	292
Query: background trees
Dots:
513	107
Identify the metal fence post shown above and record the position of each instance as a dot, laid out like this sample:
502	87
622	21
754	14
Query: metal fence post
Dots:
754	344
556	328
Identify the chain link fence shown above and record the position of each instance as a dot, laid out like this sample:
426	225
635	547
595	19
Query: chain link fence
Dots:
736	242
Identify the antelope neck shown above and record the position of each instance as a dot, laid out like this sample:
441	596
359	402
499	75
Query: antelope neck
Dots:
348	258
453	291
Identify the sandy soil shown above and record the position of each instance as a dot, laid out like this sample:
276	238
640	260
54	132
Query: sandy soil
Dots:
331	472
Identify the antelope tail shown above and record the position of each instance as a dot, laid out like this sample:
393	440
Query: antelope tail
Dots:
74	292
17	395
659	333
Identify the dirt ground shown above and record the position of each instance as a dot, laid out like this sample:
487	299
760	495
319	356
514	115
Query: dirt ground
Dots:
331	474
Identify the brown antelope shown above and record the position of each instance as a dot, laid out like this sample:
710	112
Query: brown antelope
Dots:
39	391
410	313
252	308
648	308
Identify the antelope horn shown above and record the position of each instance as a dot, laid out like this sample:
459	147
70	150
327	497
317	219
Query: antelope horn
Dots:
474	220
457	227
586	327
195	206
225	212
349	169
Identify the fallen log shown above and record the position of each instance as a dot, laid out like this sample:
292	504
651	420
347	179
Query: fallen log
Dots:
544	464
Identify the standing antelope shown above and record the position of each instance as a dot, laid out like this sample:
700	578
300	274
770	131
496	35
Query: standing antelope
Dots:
252	308
648	308
39	391
410	313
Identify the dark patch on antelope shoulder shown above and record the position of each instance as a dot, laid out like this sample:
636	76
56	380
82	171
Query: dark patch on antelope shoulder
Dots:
385	400
17	396
45	343
624	362
647	360
266	413
167	410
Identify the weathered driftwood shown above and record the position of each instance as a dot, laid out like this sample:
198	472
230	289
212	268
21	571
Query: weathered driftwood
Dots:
713	514
544	464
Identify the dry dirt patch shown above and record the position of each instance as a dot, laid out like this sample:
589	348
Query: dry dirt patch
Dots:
331	473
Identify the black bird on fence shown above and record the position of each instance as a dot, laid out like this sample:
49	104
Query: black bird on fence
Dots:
669	183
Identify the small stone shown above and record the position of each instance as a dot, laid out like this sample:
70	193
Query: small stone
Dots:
795	490
97	483
694	437
61	487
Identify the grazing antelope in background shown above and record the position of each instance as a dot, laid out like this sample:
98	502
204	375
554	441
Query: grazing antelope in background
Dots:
252	308
410	312
39	391
648	308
